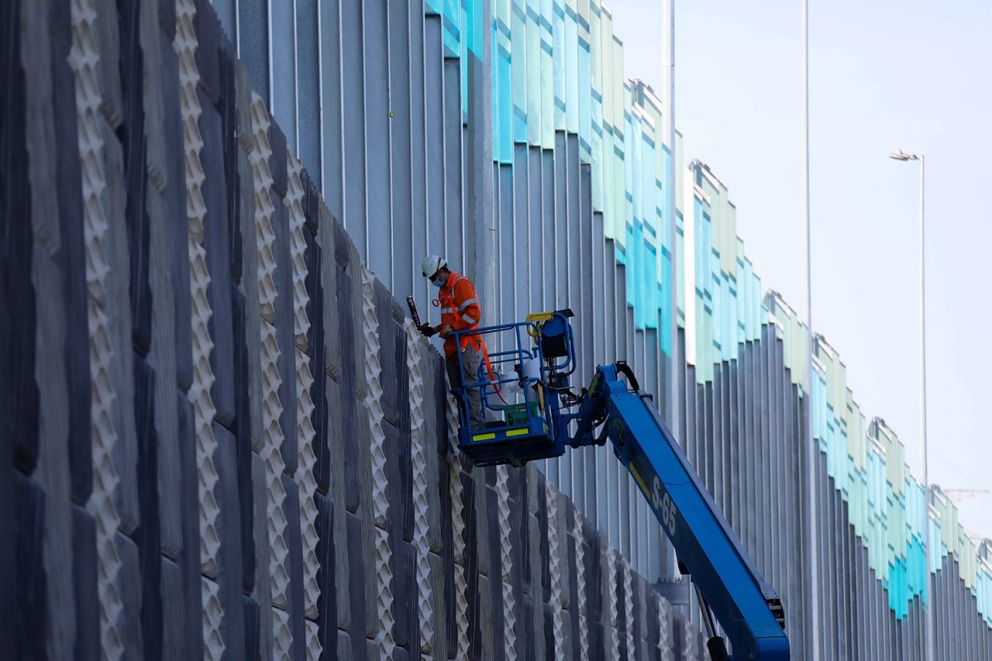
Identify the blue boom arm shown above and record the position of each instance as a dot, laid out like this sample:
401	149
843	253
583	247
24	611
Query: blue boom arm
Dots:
543	354
748	610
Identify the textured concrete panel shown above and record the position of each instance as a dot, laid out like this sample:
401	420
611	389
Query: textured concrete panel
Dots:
482	521
270	446
30	611
436	644
163	358
470	563
262	593
72	252
456	590
327	578
129	586
404	587
294	544
242	434
101	504
557	561
485	635
285	334
232	541
337	498
349	388
252	621
306	434
118	311
317	364
84	569
377	497
174	199
209	35
172	611
150	38
235	146
199	393
250	290
35	393
278	163
393	373
147	536
282	636
356	581
218	259
47	390
131	135
536	522
328	273
190	554
505	542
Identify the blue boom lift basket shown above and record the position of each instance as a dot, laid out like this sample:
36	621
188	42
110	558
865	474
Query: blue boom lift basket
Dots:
527	418
532	361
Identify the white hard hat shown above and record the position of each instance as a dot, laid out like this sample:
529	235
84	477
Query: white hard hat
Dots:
432	264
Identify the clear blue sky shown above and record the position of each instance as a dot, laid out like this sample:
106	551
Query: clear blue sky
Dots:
883	75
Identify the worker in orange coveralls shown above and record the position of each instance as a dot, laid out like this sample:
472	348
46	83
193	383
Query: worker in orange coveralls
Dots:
460	310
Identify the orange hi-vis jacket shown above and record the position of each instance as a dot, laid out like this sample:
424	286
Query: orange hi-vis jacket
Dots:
460	309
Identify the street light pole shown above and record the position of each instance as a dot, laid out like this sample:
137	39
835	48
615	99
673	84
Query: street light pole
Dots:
671	395
813	634
929	641
900	155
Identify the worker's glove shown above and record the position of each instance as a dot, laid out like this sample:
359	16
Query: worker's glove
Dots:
427	330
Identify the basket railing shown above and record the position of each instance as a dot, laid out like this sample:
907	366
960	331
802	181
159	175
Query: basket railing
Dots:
513	367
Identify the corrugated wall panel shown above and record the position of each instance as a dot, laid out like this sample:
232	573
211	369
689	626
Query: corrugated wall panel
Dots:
377	140
405	274
331	156
353	117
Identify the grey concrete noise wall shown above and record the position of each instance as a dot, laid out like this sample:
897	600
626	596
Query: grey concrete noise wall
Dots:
526	231
222	438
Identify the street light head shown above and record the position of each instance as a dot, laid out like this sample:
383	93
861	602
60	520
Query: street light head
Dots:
900	155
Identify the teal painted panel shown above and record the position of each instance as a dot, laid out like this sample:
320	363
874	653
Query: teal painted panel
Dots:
532	41
502	84
584	88
571	69
518	61
451	26
558	57
473	27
